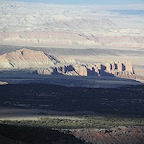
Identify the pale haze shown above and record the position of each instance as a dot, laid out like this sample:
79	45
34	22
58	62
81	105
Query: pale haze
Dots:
84	1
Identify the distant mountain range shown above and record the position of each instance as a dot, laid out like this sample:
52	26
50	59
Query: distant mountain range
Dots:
33	24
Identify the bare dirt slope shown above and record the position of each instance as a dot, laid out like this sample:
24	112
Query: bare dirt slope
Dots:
118	135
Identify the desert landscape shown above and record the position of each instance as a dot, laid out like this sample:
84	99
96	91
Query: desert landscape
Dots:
72	25
87	33
71	72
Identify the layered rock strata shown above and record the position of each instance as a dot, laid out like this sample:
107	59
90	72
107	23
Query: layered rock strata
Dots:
46	64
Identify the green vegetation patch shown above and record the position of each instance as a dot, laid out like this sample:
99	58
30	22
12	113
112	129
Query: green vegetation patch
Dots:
80	122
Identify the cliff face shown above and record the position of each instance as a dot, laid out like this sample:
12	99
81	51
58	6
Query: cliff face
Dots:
119	68
26	58
51	65
3	83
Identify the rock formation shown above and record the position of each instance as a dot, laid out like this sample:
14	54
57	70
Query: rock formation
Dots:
81	70
110	69
26	58
3	83
118	68
45	64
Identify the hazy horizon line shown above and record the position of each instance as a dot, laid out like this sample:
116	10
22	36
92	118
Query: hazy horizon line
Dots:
81	2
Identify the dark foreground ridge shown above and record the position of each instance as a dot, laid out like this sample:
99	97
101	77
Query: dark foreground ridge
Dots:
104	115
128	101
40	132
13	134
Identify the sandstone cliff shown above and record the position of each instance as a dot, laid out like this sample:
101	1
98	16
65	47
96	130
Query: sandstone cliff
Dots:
45	64
26	58
3	83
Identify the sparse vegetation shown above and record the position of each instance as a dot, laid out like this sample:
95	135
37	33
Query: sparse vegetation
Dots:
100	114
127	101
81	122
85	129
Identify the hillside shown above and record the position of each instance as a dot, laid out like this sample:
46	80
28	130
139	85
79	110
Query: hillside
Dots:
25	58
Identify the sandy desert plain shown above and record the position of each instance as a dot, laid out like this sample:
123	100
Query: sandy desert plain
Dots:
71	74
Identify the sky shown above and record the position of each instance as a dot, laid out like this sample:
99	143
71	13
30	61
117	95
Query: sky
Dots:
103	2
